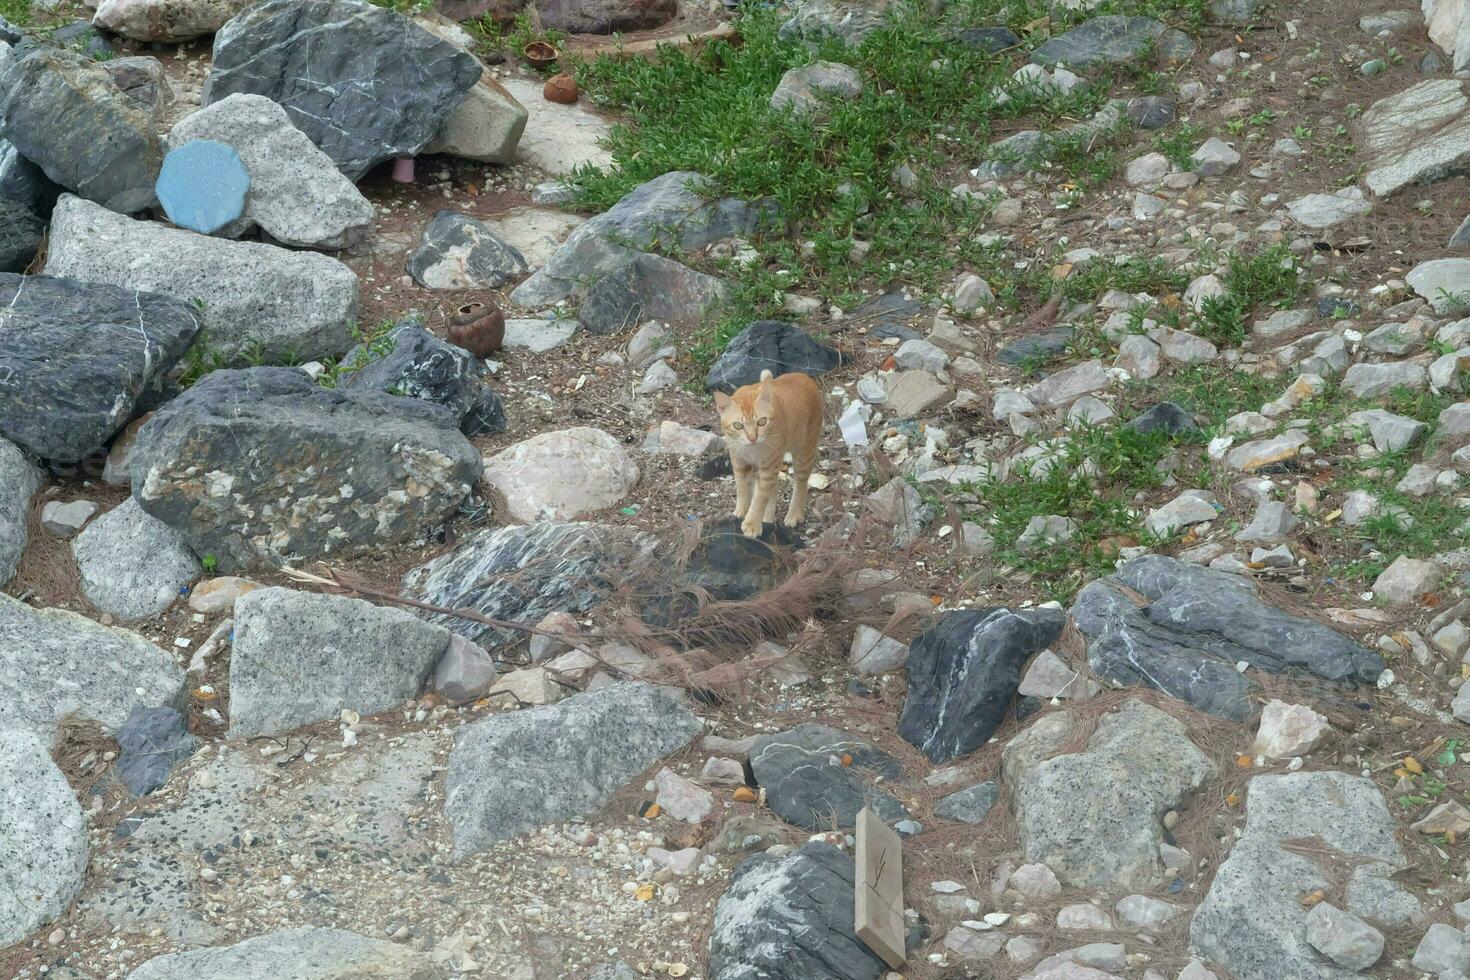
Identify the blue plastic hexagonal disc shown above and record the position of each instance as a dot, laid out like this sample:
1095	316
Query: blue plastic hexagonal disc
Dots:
202	185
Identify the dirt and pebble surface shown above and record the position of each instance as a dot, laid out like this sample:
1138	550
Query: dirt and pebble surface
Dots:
1216	729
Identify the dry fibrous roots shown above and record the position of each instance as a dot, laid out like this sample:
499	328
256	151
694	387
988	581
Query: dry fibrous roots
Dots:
709	646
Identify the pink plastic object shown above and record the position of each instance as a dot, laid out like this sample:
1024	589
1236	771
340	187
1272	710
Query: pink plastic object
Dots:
403	170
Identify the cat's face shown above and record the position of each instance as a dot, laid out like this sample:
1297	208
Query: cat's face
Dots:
747	419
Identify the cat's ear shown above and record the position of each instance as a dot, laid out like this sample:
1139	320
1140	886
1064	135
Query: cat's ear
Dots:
722	401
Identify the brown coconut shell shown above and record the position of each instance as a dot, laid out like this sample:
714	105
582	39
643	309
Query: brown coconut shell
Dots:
478	329
561	88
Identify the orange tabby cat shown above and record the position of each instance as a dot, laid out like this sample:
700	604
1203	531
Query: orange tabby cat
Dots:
762	423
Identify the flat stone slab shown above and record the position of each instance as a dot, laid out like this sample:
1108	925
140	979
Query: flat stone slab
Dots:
1417	136
301	954
524	769
1253	920
558	138
1195	626
1112	39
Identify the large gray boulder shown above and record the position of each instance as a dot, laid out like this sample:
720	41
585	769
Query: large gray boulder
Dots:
1253	920
522	573
791	917
19	481
77	358
43	838
365	83
299	658
269	302
262	466
132	564
674	209
297	195
1095	817
64	112
60	665
165	20
648	287
1198	624
524	769
300	954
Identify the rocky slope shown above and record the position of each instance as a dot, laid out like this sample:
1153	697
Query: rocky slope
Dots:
1132	595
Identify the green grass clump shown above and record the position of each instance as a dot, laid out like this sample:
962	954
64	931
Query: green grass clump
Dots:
1272	278
18	12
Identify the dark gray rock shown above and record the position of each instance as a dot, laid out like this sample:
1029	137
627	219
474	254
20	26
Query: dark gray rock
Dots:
889	315
84	39
19	481
969	805
365	83
261	466
769	345
725	566
420	365
21	230
154	741
648	287
76	358
458	252
523	572
791	917
1338	307
604	16
1149	112
10	33
1037	349
808	785
1198	625
675	208
963	675
991	40
66	114
25	183
1163	417
1113	39
524	769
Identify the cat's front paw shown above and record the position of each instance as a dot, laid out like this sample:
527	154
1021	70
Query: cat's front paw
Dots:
751	528
792	520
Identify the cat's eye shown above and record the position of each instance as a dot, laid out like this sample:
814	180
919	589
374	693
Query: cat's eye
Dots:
737	425
762	421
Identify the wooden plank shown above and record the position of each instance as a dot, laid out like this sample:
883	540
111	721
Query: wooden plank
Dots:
878	909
